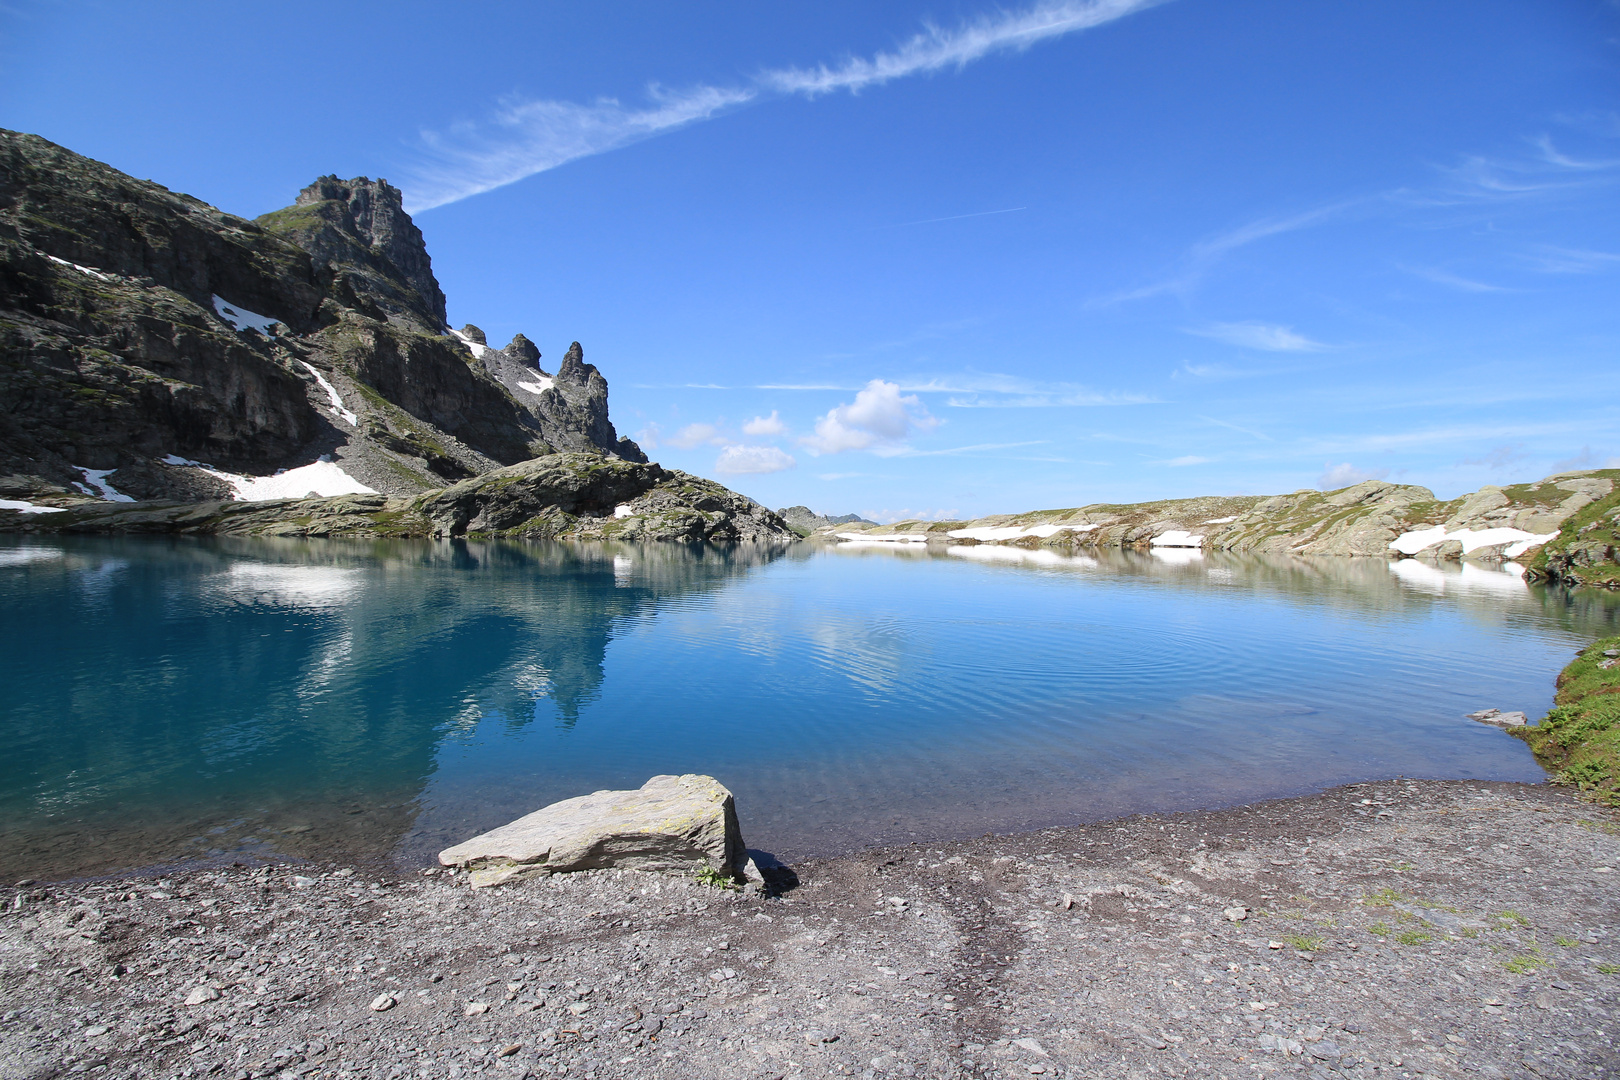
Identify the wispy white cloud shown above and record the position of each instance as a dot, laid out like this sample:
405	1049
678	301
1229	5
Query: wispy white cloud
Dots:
739	460
1499	457
975	390
525	137
1188	459
1255	335
935	49
1454	281
1204	255
880	419
978	448
1234	427
1585	460
956	217
1558	260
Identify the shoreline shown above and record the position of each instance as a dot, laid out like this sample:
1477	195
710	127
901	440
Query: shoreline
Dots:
1394	928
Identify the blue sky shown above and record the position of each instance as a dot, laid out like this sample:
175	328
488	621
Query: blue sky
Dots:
947	259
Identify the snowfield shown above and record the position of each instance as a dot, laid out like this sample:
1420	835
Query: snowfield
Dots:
324	478
1520	541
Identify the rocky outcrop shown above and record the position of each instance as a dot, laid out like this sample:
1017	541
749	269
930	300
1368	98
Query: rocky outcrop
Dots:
556	497
358	231
1563	526
805	521
684	824
142	331
571	406
1586	550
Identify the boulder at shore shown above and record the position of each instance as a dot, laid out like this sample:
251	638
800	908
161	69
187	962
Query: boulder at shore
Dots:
682	823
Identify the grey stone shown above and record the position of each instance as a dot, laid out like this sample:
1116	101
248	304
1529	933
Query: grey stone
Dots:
671	823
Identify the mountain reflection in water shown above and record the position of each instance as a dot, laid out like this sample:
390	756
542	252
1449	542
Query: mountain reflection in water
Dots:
169	700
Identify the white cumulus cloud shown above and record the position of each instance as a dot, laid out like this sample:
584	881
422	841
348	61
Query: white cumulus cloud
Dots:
879	419
753	459
765	425
1346	474
695	435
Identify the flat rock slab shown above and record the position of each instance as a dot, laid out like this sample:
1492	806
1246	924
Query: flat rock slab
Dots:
671	823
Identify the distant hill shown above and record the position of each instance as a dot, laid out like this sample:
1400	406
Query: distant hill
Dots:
805	521
1566	526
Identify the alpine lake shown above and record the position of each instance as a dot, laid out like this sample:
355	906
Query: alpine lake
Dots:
171	702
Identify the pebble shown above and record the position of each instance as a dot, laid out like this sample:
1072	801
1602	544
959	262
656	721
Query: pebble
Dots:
201	994
1237	914
383	1002
95	1032
479	1008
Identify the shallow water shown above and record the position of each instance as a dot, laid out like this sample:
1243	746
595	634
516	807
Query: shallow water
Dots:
169	700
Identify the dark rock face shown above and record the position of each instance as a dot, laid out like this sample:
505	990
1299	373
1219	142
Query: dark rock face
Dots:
523	351
571	407
136	323
362	223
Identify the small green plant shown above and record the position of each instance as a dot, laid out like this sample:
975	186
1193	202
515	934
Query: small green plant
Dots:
1565	942
1608	969
1524	965
1511	918
1383	898
1401	867
1303	942
714	879
1379	928
1414	937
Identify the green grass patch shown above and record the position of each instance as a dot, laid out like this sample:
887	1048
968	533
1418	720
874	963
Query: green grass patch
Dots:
1608	969
1303	942
1564	942
1579	740
1382	929
1414	937
714	879
1510	918
1524	965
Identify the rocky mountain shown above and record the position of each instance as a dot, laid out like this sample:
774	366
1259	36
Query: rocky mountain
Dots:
154	347
555	497
805	521
1566	526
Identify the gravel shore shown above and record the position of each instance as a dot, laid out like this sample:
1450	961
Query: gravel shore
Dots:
1394	929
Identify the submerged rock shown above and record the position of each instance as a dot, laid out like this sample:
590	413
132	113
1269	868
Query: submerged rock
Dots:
1498	718
672	823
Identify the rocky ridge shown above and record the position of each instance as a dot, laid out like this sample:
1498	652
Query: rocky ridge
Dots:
1564	526
144	333
555	497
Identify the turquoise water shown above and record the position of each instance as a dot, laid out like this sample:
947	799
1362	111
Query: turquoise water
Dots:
171	700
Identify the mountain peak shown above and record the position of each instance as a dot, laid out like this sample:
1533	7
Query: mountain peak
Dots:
363	223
